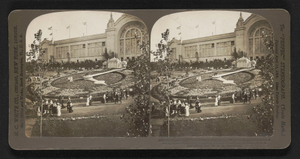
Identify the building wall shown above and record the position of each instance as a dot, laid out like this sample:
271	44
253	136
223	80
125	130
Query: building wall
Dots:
240	37
111	37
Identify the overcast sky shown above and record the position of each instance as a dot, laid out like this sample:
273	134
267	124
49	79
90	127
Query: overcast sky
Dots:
96	22
225	22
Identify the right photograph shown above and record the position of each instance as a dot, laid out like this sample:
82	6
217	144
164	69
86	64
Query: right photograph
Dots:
212	75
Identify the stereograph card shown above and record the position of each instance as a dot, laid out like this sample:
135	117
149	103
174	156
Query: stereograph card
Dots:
149	79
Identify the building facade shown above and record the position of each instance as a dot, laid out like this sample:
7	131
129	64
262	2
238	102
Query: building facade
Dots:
247	37
120	37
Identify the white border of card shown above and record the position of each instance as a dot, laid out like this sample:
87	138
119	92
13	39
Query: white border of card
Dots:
111	40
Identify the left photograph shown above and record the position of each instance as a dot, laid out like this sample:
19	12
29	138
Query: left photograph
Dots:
87	75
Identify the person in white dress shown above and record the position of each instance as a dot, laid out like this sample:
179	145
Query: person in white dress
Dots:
104	98
58	109
216	101
87	101
187	109
233	98
167	111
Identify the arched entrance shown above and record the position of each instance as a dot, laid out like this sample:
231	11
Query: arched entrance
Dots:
130	35
256	41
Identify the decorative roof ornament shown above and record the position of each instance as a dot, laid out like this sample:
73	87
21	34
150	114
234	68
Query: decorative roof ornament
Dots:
240	22
111	22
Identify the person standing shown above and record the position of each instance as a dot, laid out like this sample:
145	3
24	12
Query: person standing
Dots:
188	99
179	107
68	103
71	107
216	101
104	98
116	97
54	109
121	94
175	106
219	100
120	97
51	108
167	111
245	97
58	109
249	96
241	96
187	109
127	93
91	99
87	101
233	98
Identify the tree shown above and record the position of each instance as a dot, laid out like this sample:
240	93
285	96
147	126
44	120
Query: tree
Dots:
137	114
238	54
165	68
35	54
264	112
106	54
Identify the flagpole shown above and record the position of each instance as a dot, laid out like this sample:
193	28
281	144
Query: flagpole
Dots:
215	28
198	31
52	36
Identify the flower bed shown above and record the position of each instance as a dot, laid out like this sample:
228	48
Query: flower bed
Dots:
62	87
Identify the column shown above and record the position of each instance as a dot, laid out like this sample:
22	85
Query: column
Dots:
86	49
215	49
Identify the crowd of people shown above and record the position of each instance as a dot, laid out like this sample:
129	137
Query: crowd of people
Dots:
117	95
48	107
245	95
182	107
179	107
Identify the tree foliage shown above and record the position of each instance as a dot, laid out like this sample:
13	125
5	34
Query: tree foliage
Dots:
36	64
238	54
137	114
264	112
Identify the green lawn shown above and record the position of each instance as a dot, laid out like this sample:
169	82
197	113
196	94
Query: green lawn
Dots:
110	126
234	126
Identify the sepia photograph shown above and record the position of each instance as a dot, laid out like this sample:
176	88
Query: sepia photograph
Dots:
212	74
82	78
149	79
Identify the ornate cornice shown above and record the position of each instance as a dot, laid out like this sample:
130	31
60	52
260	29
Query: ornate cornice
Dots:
210	38
79	39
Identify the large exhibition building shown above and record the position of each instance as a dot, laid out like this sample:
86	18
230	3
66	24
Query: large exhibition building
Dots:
247	37
121	37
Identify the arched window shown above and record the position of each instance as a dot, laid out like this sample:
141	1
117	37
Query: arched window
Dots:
256	42
129	42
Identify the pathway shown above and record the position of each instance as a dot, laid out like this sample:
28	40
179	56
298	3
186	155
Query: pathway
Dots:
219	77
90	77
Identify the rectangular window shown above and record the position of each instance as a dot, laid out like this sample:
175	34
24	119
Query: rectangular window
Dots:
103	43
95	49
77	51
61	52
